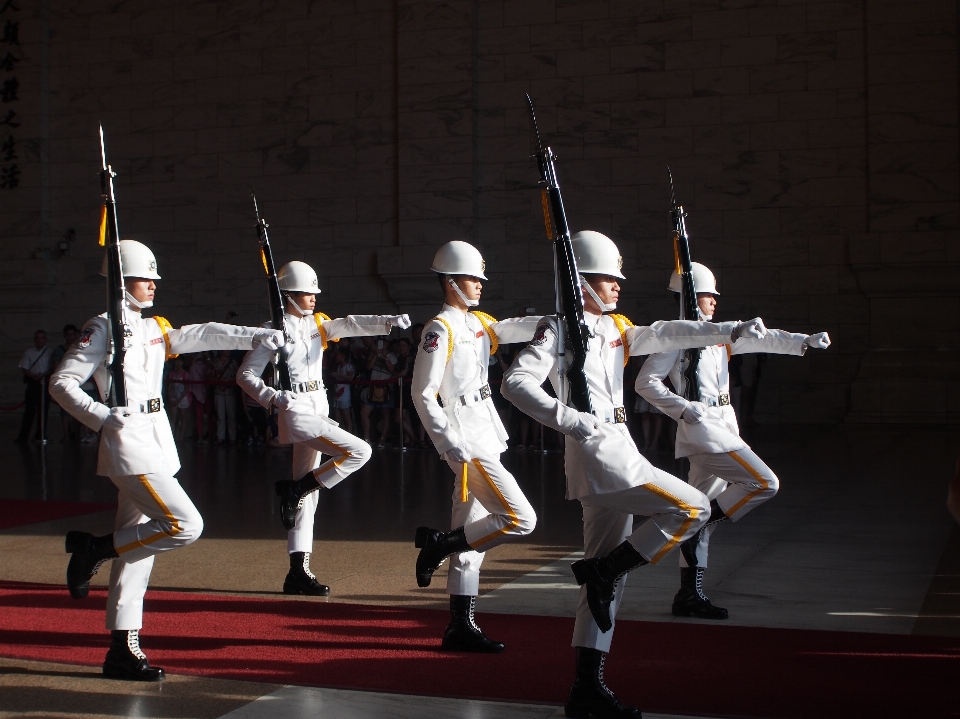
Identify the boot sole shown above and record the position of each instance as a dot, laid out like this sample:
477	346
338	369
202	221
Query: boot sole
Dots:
423	534
74	542
124	676
580	571
682	611
287	589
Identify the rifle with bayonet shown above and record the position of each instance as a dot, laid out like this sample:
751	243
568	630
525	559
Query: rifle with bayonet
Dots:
116	292
689	309
566	277
276	299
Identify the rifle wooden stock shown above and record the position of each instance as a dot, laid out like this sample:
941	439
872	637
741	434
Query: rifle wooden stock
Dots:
116	291
276	298
689	308
569	296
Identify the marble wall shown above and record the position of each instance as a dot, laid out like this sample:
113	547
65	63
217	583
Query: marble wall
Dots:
814	145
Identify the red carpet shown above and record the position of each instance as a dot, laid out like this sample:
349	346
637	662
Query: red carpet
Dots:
740	671
18	512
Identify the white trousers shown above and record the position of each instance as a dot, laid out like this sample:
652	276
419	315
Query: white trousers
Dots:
226	416
738	480
496	511
676	512
347	453
154	515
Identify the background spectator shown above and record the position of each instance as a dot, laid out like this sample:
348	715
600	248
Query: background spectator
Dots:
404	372
36	363
224	372
178	398
379	363
343	374
199	374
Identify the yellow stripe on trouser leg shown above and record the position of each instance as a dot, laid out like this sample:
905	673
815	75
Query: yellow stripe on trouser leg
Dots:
511	523
764	486
463	484
693	513
333	461
174	524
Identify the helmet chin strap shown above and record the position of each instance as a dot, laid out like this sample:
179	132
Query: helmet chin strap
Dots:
456	288
136	303
303	312
605	306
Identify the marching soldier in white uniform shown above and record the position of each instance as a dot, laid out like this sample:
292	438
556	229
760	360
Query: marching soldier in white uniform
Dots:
454	402
137	452
604	469
304	413
722	466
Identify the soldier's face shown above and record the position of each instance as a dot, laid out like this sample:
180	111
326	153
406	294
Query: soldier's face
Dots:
707	303
470	286
140	289
304	300
607	289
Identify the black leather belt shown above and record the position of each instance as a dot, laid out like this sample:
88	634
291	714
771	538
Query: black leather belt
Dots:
311	386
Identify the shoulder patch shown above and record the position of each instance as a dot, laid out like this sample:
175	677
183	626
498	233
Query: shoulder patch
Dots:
541	335
431	341
83	341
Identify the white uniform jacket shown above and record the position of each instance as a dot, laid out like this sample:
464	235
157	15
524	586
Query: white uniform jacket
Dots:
145	445
718	430
307	338
452	364
609	462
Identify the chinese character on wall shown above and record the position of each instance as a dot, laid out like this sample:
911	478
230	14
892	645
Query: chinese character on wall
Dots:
9	93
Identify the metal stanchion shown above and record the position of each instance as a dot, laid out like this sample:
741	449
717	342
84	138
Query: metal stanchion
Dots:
43	411
400	406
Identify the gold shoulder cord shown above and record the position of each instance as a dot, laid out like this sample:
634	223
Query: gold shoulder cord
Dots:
486	320
729	351
165	327
317	316
622	323
449	336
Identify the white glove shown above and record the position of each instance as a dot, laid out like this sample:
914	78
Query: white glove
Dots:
271	339
587	426
751	329
819	341
694	413
401	321
284	399
118	417
458	455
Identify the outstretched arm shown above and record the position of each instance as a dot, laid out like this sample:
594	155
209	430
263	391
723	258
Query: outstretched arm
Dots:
666	335
363	325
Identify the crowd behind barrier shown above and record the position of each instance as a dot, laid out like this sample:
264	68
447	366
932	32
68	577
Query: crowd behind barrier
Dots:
368	389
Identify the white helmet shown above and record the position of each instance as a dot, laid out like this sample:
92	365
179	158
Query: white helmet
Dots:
137	261
298	277
459	258
597	254
703	280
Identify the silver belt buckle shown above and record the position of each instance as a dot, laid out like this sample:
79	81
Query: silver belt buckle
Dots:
153	405
312	386
724	400
619	415
485	392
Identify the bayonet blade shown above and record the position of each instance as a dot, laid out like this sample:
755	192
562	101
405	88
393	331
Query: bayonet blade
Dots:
673	197
103	151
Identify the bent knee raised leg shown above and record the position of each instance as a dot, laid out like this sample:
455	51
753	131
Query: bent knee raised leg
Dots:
362	453
526	521
191	527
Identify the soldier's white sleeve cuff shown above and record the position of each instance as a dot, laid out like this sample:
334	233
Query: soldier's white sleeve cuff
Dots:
100	412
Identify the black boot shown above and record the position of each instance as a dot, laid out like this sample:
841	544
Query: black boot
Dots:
125	660
463	634
435	546
300	580
89	553
589	696
291	497
691	601
601	575
688	548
